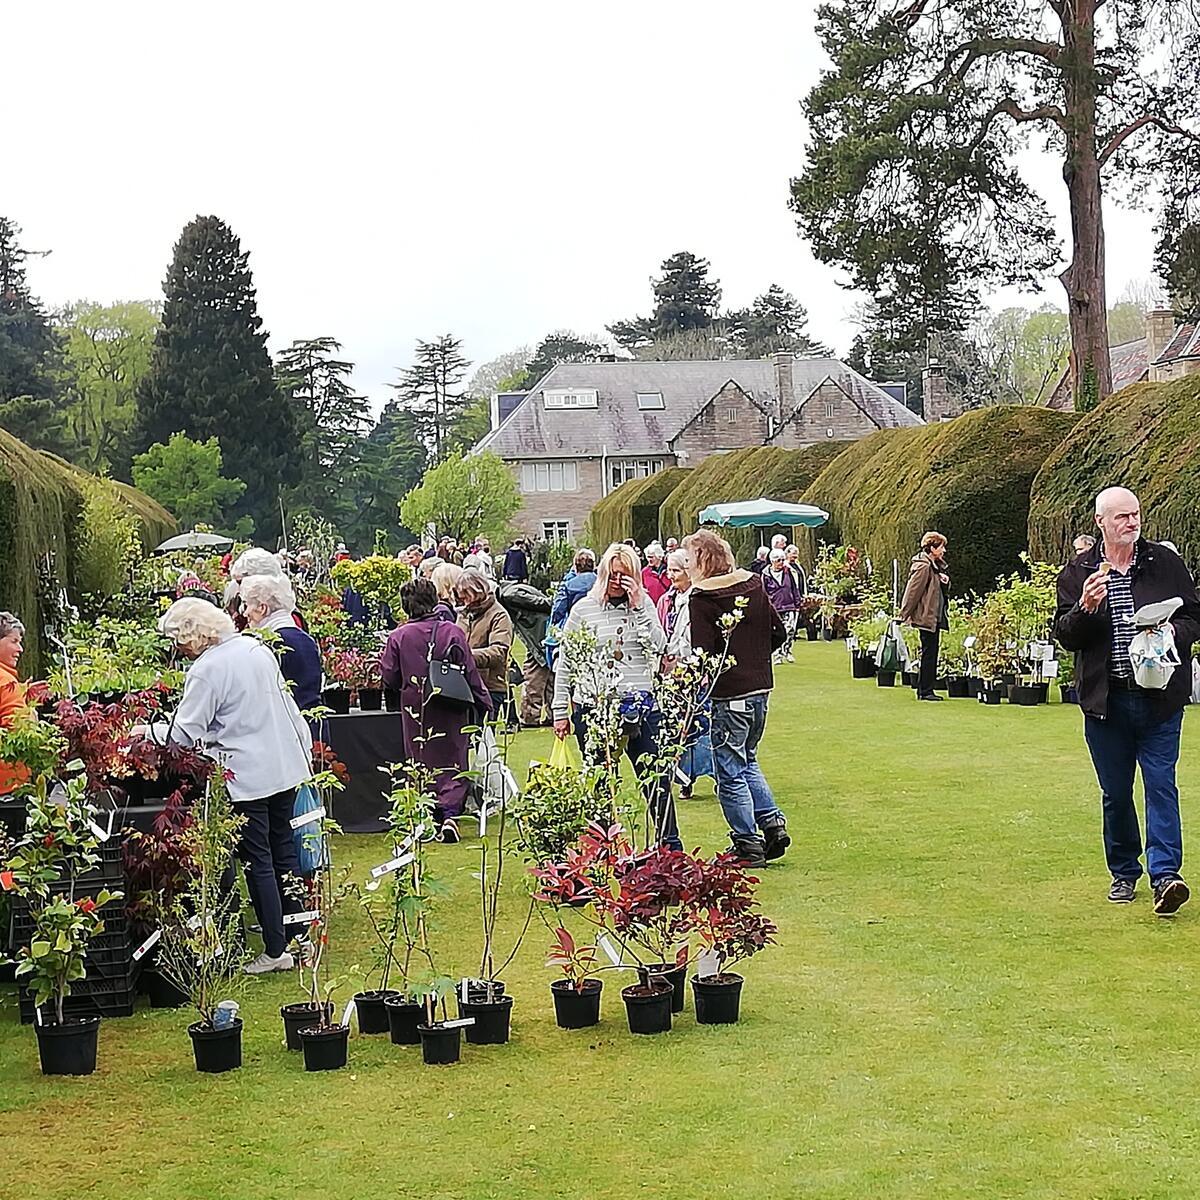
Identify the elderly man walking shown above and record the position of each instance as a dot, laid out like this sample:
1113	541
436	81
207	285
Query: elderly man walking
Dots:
1127	726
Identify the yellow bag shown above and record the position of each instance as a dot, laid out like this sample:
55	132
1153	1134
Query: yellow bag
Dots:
560	755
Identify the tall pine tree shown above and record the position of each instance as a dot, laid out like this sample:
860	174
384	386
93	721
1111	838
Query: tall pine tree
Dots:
432	391
211	375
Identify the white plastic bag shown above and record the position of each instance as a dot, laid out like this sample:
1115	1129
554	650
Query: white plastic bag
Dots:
495	780
1152	651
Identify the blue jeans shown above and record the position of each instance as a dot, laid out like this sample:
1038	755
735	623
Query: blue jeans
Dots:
742	789
643	741
1129	738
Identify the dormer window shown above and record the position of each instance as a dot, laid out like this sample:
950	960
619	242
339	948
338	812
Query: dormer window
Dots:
571	398
648	400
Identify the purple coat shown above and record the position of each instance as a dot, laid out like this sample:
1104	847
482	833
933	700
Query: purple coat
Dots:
784	593
433	730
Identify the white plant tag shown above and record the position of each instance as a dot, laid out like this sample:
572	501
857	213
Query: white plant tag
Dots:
411	839
969	641
388	867
464	989
605	944
461	1023
102	835
1050	670
349	1011
148	944
708	964
301	918
308	818
194	922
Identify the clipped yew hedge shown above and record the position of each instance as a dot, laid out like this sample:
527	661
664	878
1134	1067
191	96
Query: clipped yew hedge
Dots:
969	478
1146	438
43	533
746	474
631	510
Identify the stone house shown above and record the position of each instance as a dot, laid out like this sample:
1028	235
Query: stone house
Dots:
586	428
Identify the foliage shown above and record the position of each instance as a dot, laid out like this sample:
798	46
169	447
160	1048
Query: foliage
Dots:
1020	610
377	578
840	573
210	374
723	901
632	510
106	354
561	346
685	298
969	478
390	465
577	963
548	563
185	477
775	321
464	497
311	532
1143	438
431	391
556	805
202	949
159	865
112	655
350	667
108	547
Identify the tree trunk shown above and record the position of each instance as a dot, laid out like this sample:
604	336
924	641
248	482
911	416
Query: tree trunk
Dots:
1087	307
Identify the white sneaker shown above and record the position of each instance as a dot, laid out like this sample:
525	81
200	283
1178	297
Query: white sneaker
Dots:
790	659
264	964
449	833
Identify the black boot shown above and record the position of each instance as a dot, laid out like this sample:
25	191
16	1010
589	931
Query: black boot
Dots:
749	848
775	835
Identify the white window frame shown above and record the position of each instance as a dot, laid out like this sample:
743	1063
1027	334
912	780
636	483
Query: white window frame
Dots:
556	530
830	409
649	401
571	398
622	470
553	475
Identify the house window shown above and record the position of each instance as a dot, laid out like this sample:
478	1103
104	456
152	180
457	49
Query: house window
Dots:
621	470
573	398
556	531
549	477
650	400
830	408
731	416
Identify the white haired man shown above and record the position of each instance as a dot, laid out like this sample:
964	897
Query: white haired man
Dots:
1127	726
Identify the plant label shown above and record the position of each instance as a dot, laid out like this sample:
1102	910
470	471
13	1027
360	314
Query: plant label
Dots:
101	834
349	1011
464	990
708	964
411	839
148	944
308	818
605	944
968	642
301	918
1050	670
388	867
461	1023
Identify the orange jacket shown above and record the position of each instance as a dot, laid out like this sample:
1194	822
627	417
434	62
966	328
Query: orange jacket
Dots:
12	701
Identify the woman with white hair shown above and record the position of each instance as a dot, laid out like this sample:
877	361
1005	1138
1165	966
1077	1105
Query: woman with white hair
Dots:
236	709
654	573
267	603
444	577
625	624
784	594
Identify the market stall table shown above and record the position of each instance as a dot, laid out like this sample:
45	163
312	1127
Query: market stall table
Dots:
364	741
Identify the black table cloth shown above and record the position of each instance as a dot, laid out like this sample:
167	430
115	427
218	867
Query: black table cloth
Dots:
365	741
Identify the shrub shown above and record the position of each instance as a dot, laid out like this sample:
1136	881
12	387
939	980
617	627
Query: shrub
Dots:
632	510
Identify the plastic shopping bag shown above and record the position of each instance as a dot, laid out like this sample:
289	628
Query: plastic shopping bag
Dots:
892	654
1152	651
560	755
310	841
496	782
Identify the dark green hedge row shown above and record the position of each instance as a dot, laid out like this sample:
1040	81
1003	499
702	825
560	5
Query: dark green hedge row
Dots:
969	478
42	532
1146	438
632	510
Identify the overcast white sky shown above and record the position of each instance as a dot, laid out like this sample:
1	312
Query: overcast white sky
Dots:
400	170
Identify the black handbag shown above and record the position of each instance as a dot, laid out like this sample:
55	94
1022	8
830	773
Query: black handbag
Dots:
448	680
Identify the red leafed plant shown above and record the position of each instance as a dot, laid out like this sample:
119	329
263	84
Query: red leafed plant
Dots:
158	865
325	759
576	962
725	916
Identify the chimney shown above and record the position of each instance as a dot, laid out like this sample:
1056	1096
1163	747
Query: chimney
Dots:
934	396
1160	329
784	387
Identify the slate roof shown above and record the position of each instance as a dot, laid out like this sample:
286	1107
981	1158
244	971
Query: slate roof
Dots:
1185	344
1130	364
618	426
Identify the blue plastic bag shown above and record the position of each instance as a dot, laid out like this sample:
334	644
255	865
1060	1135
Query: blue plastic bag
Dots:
310	841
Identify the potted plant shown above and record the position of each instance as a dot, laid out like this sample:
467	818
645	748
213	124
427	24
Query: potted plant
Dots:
865	633
577	994
200	946
731	930
60	844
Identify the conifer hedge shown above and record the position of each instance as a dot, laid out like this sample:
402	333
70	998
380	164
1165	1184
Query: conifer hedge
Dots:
1146	438
631	510
969	478
43	533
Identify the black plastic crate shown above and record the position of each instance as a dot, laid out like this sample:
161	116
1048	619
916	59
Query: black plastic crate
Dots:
98	995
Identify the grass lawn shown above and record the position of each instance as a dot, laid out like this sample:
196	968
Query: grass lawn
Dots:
953	1010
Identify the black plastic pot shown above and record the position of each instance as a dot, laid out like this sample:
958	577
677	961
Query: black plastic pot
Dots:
303	1016
941	684
675	976
403	1017
492	1020
479	990
648	1007
885	678
440	1045
990	693
337	699
370	699
1028	695
811	632
69	1048
974	683
162	992
574	1009
325	1049
958	687
217	1050
391	700
372	1016
1069	693
909	678
862	666
718	999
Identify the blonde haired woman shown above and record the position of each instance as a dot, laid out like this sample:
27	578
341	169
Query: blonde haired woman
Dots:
625	623
236	709
444	578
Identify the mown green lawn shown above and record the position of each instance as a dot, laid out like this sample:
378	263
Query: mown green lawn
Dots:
953	1010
